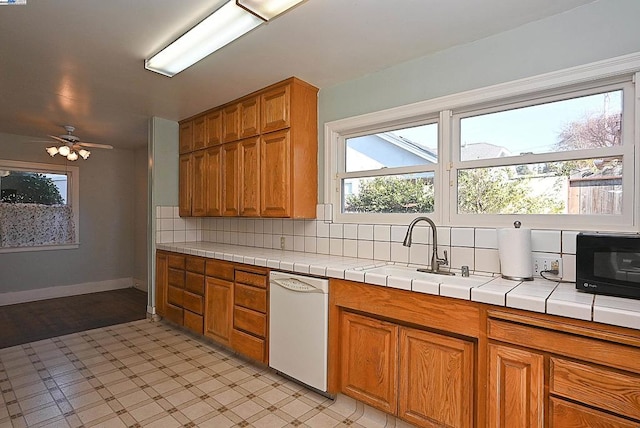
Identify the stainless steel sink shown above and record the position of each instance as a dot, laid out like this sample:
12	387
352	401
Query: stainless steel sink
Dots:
413	273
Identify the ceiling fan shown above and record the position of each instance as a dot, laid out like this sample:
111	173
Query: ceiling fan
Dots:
72	147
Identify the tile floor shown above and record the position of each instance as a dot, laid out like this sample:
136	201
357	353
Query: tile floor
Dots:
146	373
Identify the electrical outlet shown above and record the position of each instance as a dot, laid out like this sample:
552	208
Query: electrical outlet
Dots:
282	242
541	263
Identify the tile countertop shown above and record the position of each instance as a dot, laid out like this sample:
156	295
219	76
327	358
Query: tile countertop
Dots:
538	295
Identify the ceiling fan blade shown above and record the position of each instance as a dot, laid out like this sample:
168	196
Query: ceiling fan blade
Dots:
62	140
95	145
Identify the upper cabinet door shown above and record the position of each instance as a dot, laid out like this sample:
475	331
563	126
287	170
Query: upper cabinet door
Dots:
213	128
198	133
199	184
231	123
275	174
186	137
185	184
250	117
249	177
230	163
276	108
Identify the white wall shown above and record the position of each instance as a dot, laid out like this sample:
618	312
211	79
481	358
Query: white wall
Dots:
108	187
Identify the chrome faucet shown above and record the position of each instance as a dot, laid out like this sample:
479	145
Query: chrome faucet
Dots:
436	262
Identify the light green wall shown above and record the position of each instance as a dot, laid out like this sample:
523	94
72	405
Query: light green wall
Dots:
600	30
107	191
163	181
164	149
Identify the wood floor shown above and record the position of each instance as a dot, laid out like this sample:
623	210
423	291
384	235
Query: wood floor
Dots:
28	322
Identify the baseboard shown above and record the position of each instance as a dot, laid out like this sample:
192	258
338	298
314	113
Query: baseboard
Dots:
140	284
63	291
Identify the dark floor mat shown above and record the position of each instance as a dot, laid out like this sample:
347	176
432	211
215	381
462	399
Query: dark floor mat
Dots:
28	322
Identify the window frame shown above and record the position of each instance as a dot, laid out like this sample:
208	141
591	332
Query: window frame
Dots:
626	150
560	85
73	198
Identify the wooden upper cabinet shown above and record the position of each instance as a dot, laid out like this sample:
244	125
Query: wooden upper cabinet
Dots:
230	164
213	168
436	379
231	123
213	128
516	387
198	133
185	184
199	187
249	177
282	118
369	361
250	117
186	137
275	107
275	176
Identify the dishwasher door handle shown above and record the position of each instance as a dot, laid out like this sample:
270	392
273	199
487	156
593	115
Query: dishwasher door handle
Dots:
295	285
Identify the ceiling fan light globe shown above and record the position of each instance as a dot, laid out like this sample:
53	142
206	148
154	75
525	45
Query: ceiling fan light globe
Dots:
72	156
84	153
64	151
52	151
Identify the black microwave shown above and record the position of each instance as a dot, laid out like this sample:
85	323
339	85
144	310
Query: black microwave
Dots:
608	264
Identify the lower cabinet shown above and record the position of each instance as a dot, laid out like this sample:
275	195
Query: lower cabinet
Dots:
250	310
224	301
180	289
219	301
425	378
516	387
549	373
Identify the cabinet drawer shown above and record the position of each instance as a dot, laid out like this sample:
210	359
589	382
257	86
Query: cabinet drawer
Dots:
251	278
596	386
176	261
192	302
251	297
250	321
195	283
193	322
173	313
222	270
175	295
195	264
248	345
176	277
563	414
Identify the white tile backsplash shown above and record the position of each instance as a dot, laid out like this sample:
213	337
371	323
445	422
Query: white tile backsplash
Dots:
486	238
473	247
382	232
546	241
462	236
365	232
569	242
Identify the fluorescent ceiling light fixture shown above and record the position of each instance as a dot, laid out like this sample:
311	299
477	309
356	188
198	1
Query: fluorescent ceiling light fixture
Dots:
267	9
217	30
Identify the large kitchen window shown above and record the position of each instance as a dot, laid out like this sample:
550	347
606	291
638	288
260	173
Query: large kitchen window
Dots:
553	151
38	206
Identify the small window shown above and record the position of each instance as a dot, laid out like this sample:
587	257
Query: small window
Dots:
391	171
38	206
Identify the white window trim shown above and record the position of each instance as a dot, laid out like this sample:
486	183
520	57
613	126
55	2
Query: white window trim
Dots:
73	199
397	116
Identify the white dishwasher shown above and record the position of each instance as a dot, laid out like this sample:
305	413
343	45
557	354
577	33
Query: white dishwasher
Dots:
298	327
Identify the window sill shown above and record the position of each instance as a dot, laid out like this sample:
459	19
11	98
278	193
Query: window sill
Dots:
39	248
